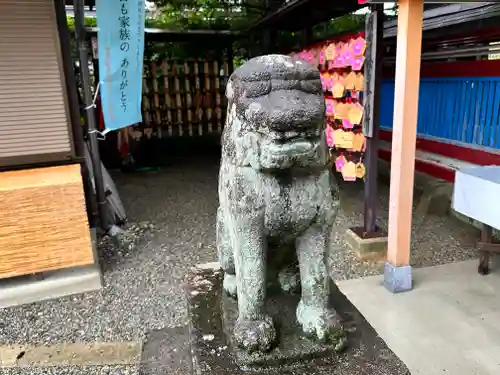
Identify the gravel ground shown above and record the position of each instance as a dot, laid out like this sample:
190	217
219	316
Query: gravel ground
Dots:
172	227
435	239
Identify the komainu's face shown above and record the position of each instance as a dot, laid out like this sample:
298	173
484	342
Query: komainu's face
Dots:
275	114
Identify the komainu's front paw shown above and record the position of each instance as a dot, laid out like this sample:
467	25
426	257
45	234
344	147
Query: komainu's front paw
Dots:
255	335
321	323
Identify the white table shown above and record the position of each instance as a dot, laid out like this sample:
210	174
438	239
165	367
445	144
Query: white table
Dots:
476	194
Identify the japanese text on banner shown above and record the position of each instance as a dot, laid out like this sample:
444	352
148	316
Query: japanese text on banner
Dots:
121	53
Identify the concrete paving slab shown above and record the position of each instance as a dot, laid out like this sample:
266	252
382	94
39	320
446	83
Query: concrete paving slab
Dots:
447	324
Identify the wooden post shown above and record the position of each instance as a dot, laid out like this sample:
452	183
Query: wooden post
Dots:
397	274
270	37
253	50
484	255
156	95
308	36
102	205
167	98
371	119
230	59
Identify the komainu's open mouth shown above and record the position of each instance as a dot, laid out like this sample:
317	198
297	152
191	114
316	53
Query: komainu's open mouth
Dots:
294	147
290	136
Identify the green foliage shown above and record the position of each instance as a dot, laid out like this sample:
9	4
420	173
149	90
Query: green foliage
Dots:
349	23
199	14
223	15
89	22
237	15
340	25
238	61
208	14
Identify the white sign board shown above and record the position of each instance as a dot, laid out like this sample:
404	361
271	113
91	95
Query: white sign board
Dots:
476	194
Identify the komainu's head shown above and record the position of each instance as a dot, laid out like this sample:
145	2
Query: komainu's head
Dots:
275	116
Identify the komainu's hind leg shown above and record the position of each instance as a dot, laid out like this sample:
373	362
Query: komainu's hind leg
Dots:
225	255
284	260
289	279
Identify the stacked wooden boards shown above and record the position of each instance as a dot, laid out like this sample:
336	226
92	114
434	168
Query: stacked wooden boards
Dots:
43	221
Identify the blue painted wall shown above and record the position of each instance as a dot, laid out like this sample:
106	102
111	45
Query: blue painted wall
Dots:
465	109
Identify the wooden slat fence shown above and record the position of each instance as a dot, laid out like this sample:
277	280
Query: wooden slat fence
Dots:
459	109
184	98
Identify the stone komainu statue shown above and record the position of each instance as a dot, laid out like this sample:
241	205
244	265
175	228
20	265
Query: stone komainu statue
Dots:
276	201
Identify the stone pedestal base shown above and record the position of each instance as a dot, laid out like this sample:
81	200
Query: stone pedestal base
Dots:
292	345
397	279
371	247
212	317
